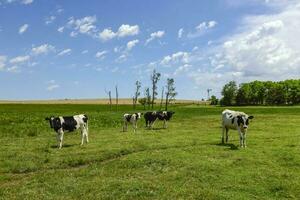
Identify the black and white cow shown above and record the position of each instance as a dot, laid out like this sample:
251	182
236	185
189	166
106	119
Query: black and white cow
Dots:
150	117
131	118
235	120
69	123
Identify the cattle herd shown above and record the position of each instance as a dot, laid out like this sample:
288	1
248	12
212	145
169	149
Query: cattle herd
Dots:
230	120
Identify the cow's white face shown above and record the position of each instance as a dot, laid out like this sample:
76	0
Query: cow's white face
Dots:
139	115
243	121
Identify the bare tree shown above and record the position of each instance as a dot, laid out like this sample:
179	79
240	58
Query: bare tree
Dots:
155	77
148	97
117	97
170	93
162	98
137	93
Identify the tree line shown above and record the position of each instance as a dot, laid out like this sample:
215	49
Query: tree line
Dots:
260	93
150	93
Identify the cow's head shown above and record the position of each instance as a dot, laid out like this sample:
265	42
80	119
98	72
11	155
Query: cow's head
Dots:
139	115
54	122
243	121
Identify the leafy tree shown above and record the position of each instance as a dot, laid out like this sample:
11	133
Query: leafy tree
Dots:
155	77
170	93
229	93
214	100
137	93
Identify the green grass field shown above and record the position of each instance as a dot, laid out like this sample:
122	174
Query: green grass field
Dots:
184	161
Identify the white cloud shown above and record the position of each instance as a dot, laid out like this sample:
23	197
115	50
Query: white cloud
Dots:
50	19
180	33
123	31
131	44
100	54
107	34
155	35
23	28
19	59
2	62
202	28
52	87
65	52
43	49
85	25
127	30
61	29
121	58
84	51
263	47
26	2
178	57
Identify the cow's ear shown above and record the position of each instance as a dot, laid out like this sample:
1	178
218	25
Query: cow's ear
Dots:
251	117
47	118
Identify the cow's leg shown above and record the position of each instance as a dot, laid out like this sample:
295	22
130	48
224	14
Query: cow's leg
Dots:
86	134
227	135
165	124
82	136
223	133
134	126
61	138
241	138
244	140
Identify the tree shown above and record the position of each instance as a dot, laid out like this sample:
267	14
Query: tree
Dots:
214	100
148	97
229	92
170	93
155	77
143	102
137	93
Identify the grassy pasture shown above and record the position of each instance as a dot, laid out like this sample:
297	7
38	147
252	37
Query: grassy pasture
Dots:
185	161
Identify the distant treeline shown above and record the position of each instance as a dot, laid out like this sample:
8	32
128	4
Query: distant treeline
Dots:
261	93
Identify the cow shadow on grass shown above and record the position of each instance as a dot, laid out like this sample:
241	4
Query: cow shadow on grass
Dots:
64	146
230	145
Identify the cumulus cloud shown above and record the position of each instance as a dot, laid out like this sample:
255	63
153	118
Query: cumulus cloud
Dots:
264	47
180	33
123	31
107	34
25	2
131	44
23	28
64	52
19	59
43	49
178	57
61	29
155	35
85	25
101	54
127	30
202	28
50	19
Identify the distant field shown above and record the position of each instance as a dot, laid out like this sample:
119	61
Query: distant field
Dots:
122	101
184	161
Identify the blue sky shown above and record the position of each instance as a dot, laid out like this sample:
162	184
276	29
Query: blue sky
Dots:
77	49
